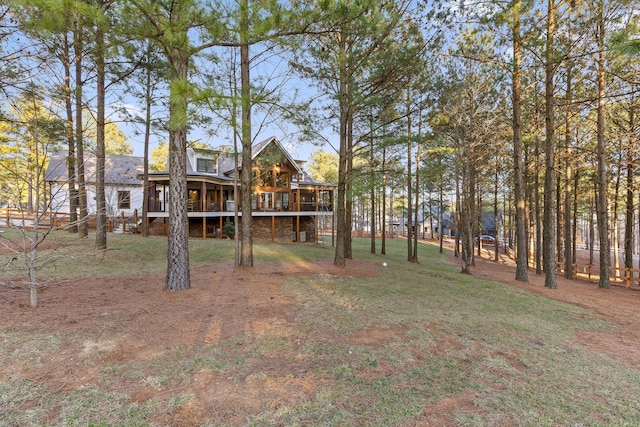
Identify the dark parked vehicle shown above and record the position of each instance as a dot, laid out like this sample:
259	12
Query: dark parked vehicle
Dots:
486	239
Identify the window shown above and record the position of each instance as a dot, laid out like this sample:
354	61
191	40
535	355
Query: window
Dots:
282	179
267	178
206	165
282	201
264	178
124	200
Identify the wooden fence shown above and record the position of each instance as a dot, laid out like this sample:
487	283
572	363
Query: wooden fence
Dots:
26	219
61	220
616	275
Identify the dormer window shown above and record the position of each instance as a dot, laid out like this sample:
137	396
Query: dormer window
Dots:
206	165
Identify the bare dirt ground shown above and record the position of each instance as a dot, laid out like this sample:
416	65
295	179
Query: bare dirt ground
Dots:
129	319
132	319
618	305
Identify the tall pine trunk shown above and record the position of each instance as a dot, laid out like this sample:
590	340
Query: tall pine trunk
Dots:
417	199
348	248
80	176
441	208
383	223
71	151
522	262
602	209
568	191
410	257
246	250
341	215
178	274
616	210
559	217
495	212
628	226
549	244
147	136
372	192
574	240
101	202
592	232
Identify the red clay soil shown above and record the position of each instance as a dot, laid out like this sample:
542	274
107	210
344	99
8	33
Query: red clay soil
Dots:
132	319
618	305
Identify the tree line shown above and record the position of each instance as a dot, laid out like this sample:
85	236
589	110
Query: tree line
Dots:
571	72
526	107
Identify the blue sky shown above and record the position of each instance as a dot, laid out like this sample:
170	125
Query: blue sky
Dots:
299	150
272	74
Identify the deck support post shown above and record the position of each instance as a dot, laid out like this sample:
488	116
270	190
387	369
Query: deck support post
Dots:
204	227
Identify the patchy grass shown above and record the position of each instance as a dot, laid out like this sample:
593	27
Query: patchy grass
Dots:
509	350
418	342
127	254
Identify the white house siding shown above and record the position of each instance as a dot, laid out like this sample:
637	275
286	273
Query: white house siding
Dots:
121	174
60	199
59	195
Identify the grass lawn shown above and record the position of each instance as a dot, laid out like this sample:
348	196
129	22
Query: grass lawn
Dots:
416	344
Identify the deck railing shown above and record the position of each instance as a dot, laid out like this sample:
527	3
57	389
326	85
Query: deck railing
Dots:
195	206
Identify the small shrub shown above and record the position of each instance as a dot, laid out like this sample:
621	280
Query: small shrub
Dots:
228	230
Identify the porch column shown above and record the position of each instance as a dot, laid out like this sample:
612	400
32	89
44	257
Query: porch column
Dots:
333	229
203	197
151	197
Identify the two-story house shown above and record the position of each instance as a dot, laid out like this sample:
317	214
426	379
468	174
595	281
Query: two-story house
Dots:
287	205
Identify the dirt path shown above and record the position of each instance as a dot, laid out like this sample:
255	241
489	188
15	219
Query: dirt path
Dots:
618	305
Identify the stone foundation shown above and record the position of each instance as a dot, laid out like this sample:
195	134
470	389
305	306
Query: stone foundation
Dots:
284	228
307	229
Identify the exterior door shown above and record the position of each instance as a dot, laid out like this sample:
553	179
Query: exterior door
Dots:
266	201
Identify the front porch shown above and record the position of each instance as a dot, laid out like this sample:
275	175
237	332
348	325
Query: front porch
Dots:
219	199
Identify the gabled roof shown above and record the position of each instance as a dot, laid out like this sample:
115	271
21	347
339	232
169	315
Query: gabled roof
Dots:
226	161
226	164
119	170
258	147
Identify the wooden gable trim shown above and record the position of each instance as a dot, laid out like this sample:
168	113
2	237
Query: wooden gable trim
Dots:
274	141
